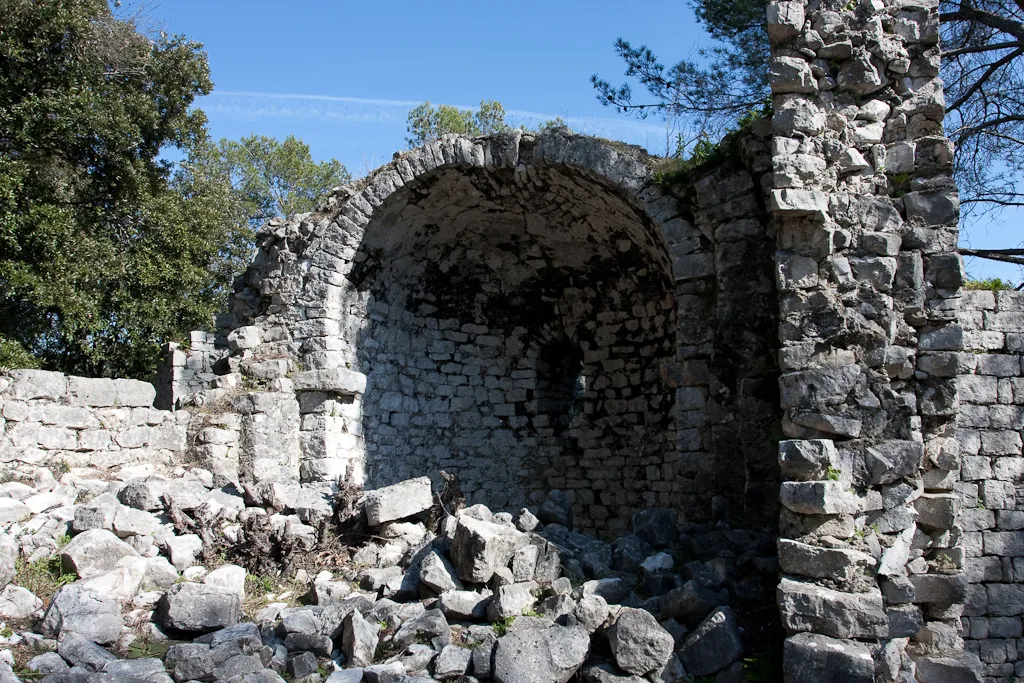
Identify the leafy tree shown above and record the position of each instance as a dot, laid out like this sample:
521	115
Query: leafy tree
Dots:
275	178
426	122
101	257
982	42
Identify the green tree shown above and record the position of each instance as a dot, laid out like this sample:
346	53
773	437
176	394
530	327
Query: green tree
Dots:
426	122
103	256
274	178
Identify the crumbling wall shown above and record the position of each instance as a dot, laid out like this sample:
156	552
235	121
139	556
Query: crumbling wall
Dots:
529	312
867	214
61	422
991	395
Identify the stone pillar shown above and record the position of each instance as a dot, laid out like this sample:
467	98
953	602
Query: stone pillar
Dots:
869	284
331	429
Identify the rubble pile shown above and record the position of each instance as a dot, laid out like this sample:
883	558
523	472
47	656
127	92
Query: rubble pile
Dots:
170	579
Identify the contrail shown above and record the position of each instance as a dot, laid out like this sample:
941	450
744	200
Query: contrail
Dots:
250	104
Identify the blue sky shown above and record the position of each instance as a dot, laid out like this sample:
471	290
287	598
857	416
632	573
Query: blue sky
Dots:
342	75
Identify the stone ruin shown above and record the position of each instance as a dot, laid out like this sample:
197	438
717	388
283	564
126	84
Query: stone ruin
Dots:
774	345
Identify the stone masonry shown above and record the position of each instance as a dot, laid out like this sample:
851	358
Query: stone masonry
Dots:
776	340
991	391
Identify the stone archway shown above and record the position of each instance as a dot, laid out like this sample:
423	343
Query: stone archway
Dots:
480	294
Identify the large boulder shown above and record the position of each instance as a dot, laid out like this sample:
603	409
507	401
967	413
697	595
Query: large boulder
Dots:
76	609
713	645
550	655
438	574
639	643
398	501
359	641
18	603
94	552
657	526
556	509
197	607
690	603
82	652
479	548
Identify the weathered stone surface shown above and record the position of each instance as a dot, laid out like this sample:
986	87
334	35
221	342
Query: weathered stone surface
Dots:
819	498
399	501
431	626
550	655
511	601
890	461
806	459
359	640
638	642
690	603
813	658
82	652
78	610
556	509
657	526
713	645
437	573
808	607
479	548
18	603
836	564
453	662
196	607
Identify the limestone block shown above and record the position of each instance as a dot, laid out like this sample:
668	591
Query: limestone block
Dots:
806	459
812	658
945	589
795	272
93	552
799	202
242	338
132	393
876	271
785	20
398	501
932	208
808	607
37	384
93	392
889	461
820	498
836	564
479	548
938	510
339	380
791	75
796	115
818	386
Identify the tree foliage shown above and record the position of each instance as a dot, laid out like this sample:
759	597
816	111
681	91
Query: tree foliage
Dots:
275	178
983	71
982	42
427	122
106	249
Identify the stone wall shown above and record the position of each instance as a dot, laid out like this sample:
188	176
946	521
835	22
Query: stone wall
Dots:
991	393
869	278
51	420
530	312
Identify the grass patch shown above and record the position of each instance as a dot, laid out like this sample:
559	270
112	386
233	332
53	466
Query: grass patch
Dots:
43	577
502	627
258	587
